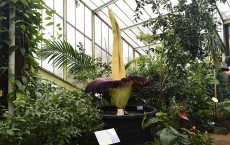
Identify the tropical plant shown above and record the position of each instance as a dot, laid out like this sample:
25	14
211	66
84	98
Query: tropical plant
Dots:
118	86
44	115
82	66
169	130
187	33
220	110
41	115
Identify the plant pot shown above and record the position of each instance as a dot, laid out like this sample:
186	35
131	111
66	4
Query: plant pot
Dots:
128	127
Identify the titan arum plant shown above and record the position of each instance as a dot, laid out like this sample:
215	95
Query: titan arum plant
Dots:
118	86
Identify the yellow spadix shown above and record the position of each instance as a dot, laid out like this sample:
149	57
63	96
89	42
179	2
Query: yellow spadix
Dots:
118	67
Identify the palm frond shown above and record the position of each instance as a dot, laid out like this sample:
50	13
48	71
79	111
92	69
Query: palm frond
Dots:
62	53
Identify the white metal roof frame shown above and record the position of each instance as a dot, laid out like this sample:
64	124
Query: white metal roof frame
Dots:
129	27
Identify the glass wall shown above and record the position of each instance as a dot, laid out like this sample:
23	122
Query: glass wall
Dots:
82	23
89	24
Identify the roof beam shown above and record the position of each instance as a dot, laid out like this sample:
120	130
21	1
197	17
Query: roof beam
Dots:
104	5
135	25
57	80
129	27
86	5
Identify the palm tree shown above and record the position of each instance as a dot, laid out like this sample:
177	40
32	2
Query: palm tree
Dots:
79	64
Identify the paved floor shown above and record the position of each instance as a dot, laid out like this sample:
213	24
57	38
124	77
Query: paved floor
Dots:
221	139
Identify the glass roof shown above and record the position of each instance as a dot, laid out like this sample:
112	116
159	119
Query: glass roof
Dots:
124	11
224	9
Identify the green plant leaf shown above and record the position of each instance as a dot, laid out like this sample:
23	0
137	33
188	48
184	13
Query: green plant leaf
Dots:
167	137
9	132
12	49
23	27
226	109
26	15
48	18
25	2
150	121
50	23
174	131
50	12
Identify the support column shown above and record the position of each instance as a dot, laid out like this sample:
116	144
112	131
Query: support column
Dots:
11	64
65	34
134	57
93	35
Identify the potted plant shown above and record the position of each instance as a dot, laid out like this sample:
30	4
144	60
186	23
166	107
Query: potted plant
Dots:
125	119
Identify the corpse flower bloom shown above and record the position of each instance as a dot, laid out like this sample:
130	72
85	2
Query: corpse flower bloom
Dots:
118	86
119	90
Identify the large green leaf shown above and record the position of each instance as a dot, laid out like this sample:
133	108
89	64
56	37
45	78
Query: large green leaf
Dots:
150	121
167	137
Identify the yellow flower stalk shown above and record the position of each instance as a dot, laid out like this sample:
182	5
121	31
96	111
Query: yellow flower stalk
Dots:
118	67
118	86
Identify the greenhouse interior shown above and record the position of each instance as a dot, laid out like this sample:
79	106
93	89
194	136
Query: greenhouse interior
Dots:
125	72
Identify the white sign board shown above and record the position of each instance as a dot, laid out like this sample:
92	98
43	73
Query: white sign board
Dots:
107	137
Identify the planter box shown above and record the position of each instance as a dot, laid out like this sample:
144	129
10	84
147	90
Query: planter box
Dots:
128	127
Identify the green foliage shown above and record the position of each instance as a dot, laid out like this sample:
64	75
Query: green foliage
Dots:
187	33
199	112
220	112
81	65
28	26
45	115
195	137
167	137
169	131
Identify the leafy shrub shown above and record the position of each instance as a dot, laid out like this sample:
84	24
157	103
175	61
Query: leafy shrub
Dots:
50	117
168	132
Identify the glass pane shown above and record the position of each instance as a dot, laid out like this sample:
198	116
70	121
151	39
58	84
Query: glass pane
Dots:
110	41
71	35
224	9
58	5
125	52
146	30
105	37
88	23
135	32
90	4
48	30
136	54
105	57
130	53
47	65
98	31
129	39
104	16
80	18
121	22
49	3
123	15
58	27
71	11
126	9
97	52
79	38
88	47
97	2
105	1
